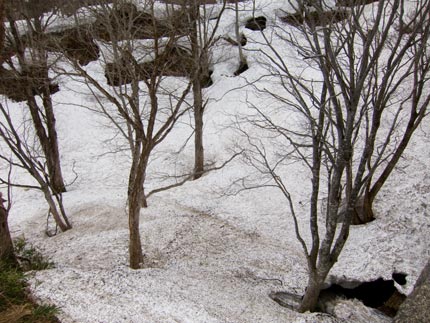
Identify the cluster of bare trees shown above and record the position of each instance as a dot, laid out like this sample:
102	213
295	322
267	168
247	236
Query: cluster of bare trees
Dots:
144	109
358	90
32	143
139	50
367	70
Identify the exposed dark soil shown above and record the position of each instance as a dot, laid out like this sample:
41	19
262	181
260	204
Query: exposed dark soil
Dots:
206	80
76	43
127	22
19	86
174	61
242	68
314	18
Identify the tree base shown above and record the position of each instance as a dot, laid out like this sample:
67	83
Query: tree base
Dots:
363	212
243	66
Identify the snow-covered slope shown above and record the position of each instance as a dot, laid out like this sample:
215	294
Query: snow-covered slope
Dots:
214	257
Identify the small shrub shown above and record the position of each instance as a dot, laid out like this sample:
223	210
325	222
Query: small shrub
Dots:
29	257
45	311
15	305
12	285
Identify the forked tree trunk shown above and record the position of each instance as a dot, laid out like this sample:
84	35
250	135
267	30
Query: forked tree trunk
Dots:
51	149
57	211
418	111
136	200
48	142
52	154
310	299
43	118
363	210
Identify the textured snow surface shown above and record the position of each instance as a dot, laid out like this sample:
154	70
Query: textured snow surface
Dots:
213	257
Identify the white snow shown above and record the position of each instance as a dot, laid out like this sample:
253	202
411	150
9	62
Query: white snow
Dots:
214	257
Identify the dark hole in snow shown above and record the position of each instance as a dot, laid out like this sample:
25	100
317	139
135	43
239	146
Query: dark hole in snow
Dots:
400	278
257	23
242	68
207	80
380	294
243	40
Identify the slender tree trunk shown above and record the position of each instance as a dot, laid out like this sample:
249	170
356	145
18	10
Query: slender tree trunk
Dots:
200	71
53	155
365	204
60	218
198	130
2	31
394	160
242	59
51	149
136	150
6	247
49	144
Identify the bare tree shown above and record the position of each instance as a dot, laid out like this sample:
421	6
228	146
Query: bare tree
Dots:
202	37
356	87
135	96
22	151
27	78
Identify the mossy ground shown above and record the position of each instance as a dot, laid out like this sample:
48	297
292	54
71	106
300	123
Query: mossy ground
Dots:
16	305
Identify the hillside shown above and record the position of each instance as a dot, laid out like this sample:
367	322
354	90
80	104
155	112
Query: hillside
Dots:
214	251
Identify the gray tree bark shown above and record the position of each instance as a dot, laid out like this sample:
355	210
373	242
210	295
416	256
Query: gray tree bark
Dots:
416	308
43	116
7	254
199	70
